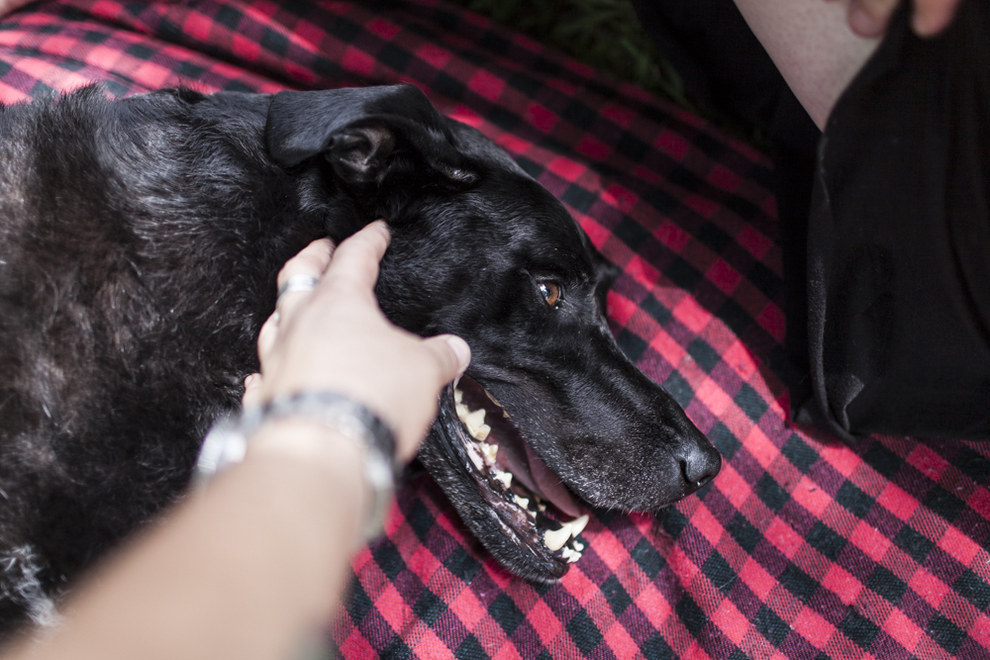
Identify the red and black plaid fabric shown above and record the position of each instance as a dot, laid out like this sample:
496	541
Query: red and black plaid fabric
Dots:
802	547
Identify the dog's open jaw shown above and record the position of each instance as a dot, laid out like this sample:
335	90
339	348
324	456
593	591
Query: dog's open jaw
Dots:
532	504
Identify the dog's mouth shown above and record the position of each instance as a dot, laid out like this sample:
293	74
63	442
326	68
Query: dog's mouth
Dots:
532	504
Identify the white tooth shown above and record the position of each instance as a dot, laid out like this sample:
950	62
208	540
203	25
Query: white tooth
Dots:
490	452
556	538
474	421
476	417
570	555
578	524
481	433
458	396
504	477
578	546
462	412
521	502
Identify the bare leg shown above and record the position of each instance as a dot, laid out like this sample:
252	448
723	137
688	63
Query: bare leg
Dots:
812	45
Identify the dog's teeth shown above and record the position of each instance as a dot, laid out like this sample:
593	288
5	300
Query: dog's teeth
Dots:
570	554
504	477
556	538
577	525
521	502
475	417
475	423
458	396
490	452
462	412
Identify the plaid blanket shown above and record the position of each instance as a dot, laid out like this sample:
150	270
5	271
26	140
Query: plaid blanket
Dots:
803	547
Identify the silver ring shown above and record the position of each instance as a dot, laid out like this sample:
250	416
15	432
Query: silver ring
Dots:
300	282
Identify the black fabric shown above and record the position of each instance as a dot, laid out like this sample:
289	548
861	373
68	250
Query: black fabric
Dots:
887	260
899	239
727	71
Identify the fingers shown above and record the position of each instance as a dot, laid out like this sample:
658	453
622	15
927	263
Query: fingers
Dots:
252	392
268	337
306	267
869	18
452	354
312	259
355	264
335	337
931	17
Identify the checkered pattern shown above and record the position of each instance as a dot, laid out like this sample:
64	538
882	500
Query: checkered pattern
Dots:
801	548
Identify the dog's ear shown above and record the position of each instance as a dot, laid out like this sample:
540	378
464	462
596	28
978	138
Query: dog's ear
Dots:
363	132
606	273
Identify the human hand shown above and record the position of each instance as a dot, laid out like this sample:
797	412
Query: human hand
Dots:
336	338
869	18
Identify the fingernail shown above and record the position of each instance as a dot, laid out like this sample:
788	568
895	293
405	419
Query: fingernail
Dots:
461	350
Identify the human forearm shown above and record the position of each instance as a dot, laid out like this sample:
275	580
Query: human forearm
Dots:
245	569
200	585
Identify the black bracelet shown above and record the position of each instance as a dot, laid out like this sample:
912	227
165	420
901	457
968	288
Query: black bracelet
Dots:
226	443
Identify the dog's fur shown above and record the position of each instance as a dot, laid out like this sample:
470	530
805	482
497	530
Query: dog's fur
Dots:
139	241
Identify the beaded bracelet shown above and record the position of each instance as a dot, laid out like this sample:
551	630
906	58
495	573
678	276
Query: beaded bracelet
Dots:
226	443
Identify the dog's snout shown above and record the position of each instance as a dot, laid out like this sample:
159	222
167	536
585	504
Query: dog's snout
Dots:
700	462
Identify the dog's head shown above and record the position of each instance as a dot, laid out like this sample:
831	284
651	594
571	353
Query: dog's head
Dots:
550	415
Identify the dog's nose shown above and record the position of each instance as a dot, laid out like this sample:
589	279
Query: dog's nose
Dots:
700	462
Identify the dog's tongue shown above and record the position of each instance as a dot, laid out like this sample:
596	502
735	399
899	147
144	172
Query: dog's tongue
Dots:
546	484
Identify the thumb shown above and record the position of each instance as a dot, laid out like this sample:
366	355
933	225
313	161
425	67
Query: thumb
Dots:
452	355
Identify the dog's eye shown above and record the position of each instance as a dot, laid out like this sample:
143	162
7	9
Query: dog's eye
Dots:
550	291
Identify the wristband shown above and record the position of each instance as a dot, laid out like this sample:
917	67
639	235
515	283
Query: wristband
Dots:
227	441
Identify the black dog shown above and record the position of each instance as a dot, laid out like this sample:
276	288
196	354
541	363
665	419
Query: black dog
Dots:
139	241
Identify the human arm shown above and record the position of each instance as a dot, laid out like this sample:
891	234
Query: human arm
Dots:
247	568
812	46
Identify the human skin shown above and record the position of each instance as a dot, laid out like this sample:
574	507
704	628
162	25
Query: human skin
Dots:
820	45
251	566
